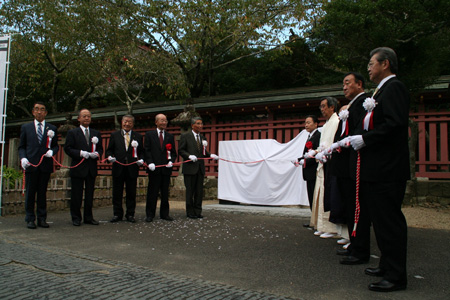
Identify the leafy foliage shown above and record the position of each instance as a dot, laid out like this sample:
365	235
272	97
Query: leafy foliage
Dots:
418	30
11	175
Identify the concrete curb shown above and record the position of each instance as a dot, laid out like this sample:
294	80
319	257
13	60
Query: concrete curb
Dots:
261	210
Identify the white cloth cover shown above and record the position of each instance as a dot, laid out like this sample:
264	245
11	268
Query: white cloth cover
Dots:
274	181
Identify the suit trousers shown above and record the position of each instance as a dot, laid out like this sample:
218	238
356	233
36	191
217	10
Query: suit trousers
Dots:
157	183
194	193
384	202
360	244
36	185
78	183
310	184
130	189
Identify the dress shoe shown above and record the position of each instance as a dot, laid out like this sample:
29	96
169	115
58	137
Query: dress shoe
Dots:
149	219
31	225
318	232
43	224
351	260
131	219
306	225
115	219
344	252
168	218
374	272
346	246
328	235
92	222
386	286
192	217
76	222
343	241
199	217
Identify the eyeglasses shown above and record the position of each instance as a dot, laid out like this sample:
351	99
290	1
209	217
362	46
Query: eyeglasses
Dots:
371	64
39	109
323	106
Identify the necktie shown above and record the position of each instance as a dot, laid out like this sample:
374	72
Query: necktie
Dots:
127	139
375	92
86	135
161	139
39	132
198	142
309	136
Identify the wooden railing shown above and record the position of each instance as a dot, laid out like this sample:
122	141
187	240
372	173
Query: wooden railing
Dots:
432	154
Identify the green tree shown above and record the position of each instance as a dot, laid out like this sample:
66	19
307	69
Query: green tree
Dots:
296	67
84	43
137	70
27	79
418	30
204	36
81	43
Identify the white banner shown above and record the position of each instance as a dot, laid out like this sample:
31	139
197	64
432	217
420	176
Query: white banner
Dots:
272	181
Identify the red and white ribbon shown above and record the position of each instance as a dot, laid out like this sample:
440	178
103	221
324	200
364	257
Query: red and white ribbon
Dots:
369	104
50	135
134	144
168	148
205	144
343	116
94	141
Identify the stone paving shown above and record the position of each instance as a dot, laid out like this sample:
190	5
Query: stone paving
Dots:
32	271
235	252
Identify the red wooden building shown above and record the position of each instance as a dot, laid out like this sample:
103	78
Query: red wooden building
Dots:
277	115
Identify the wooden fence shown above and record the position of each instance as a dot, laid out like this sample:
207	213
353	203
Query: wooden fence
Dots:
432	155
432	151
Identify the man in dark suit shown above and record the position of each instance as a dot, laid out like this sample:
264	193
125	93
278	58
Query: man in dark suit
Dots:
36	140
191	147
382	142
83	143
358	251
125	147
310	164
159	150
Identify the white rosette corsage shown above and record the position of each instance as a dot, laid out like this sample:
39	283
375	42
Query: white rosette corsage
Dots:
343	116
369	105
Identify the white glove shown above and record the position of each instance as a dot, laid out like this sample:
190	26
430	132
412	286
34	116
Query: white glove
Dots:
169	164
321	157
344	143
357	142
111	159
140	162
193	158
93	154
328	151
311	153
25	163
151	167
215	157
301	162
334	146
49	153
84	154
